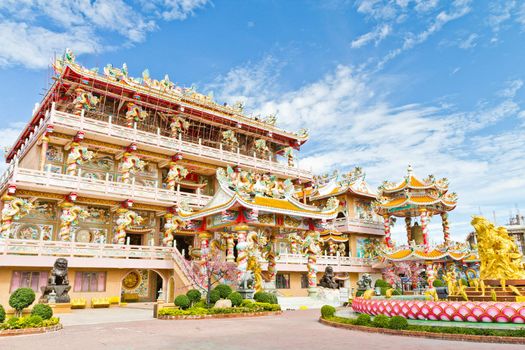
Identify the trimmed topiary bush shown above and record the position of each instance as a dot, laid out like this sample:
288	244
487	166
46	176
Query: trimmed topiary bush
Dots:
34	321
2	314
381	321
224	290
43	310
200	304
398	322
382	284
236	298
363	320
438	283
194	295
21	298
215	295
182	301
263	297
327	311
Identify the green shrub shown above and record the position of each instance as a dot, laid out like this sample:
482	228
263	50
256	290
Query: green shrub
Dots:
194	295
382	284
224	290
215	295
438	283
398	322
35	321
384	289
263	297
247	303
12	322
363	320
359	293
2	314
327	311
21	298
381	321
397	292
182	301
43	310
201	304
236	298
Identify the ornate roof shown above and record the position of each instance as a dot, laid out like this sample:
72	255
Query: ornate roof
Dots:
409	196
167	90
335	185
258	193
333	236
456	251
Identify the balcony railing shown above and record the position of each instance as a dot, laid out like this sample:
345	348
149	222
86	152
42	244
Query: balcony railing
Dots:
350	224
163	143
93	187
83	250
324	260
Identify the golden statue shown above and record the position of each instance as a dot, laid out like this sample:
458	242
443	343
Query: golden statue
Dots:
499	256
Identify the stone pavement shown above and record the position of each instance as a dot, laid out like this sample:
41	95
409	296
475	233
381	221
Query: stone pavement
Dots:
133	312
291	330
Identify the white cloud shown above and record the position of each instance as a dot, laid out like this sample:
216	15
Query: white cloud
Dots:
376	36
32	30
468	43
351	123
512	88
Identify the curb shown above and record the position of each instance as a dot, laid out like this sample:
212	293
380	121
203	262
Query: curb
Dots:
238	315
418	334
24	331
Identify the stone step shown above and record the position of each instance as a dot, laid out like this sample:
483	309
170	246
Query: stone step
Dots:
485	298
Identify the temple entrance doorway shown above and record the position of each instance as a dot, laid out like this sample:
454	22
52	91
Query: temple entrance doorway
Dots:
184	243
134	238
141	285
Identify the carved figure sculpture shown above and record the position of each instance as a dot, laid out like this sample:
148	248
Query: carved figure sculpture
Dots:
131	164
134	114
76	157
69	218
288	154
58	283
175	174
84	101
295	241
364	283
311	249
170	227
328	279
178	125
230	140
126	218
14	209
499	256
261	148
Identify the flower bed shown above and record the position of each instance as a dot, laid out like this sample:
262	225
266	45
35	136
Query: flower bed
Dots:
465	311
29	325
249	310
397	325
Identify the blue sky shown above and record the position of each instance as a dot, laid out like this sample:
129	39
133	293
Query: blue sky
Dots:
379	83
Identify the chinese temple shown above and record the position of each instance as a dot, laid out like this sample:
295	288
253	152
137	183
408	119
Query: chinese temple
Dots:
131	178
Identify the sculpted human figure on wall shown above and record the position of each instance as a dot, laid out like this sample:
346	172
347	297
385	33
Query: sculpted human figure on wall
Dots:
76	157
69	218
14	209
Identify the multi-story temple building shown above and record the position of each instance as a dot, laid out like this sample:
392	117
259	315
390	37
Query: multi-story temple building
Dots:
131	179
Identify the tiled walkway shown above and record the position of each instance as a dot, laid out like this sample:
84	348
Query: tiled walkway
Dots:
292	330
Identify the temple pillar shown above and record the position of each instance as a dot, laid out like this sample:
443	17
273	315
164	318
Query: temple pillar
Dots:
169	228
408	224
446	229
45	146
424	228
230	244
386	226
65	222
242	253
270	257
121	226
312	251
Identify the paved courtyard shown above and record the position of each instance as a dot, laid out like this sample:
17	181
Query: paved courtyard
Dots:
292	330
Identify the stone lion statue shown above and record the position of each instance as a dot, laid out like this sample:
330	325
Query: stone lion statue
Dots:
328	279
59	273
365	282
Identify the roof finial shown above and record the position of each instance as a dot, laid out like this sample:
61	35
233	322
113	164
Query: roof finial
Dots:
409	170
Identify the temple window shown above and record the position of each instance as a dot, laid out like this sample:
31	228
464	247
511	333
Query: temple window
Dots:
90	282
304	280
282	281
28	279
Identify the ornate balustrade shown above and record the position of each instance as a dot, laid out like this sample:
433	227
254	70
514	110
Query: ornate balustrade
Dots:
324	260
83	250
63	183
163	143
352	224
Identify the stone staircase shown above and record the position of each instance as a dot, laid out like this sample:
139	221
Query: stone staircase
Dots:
506	295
